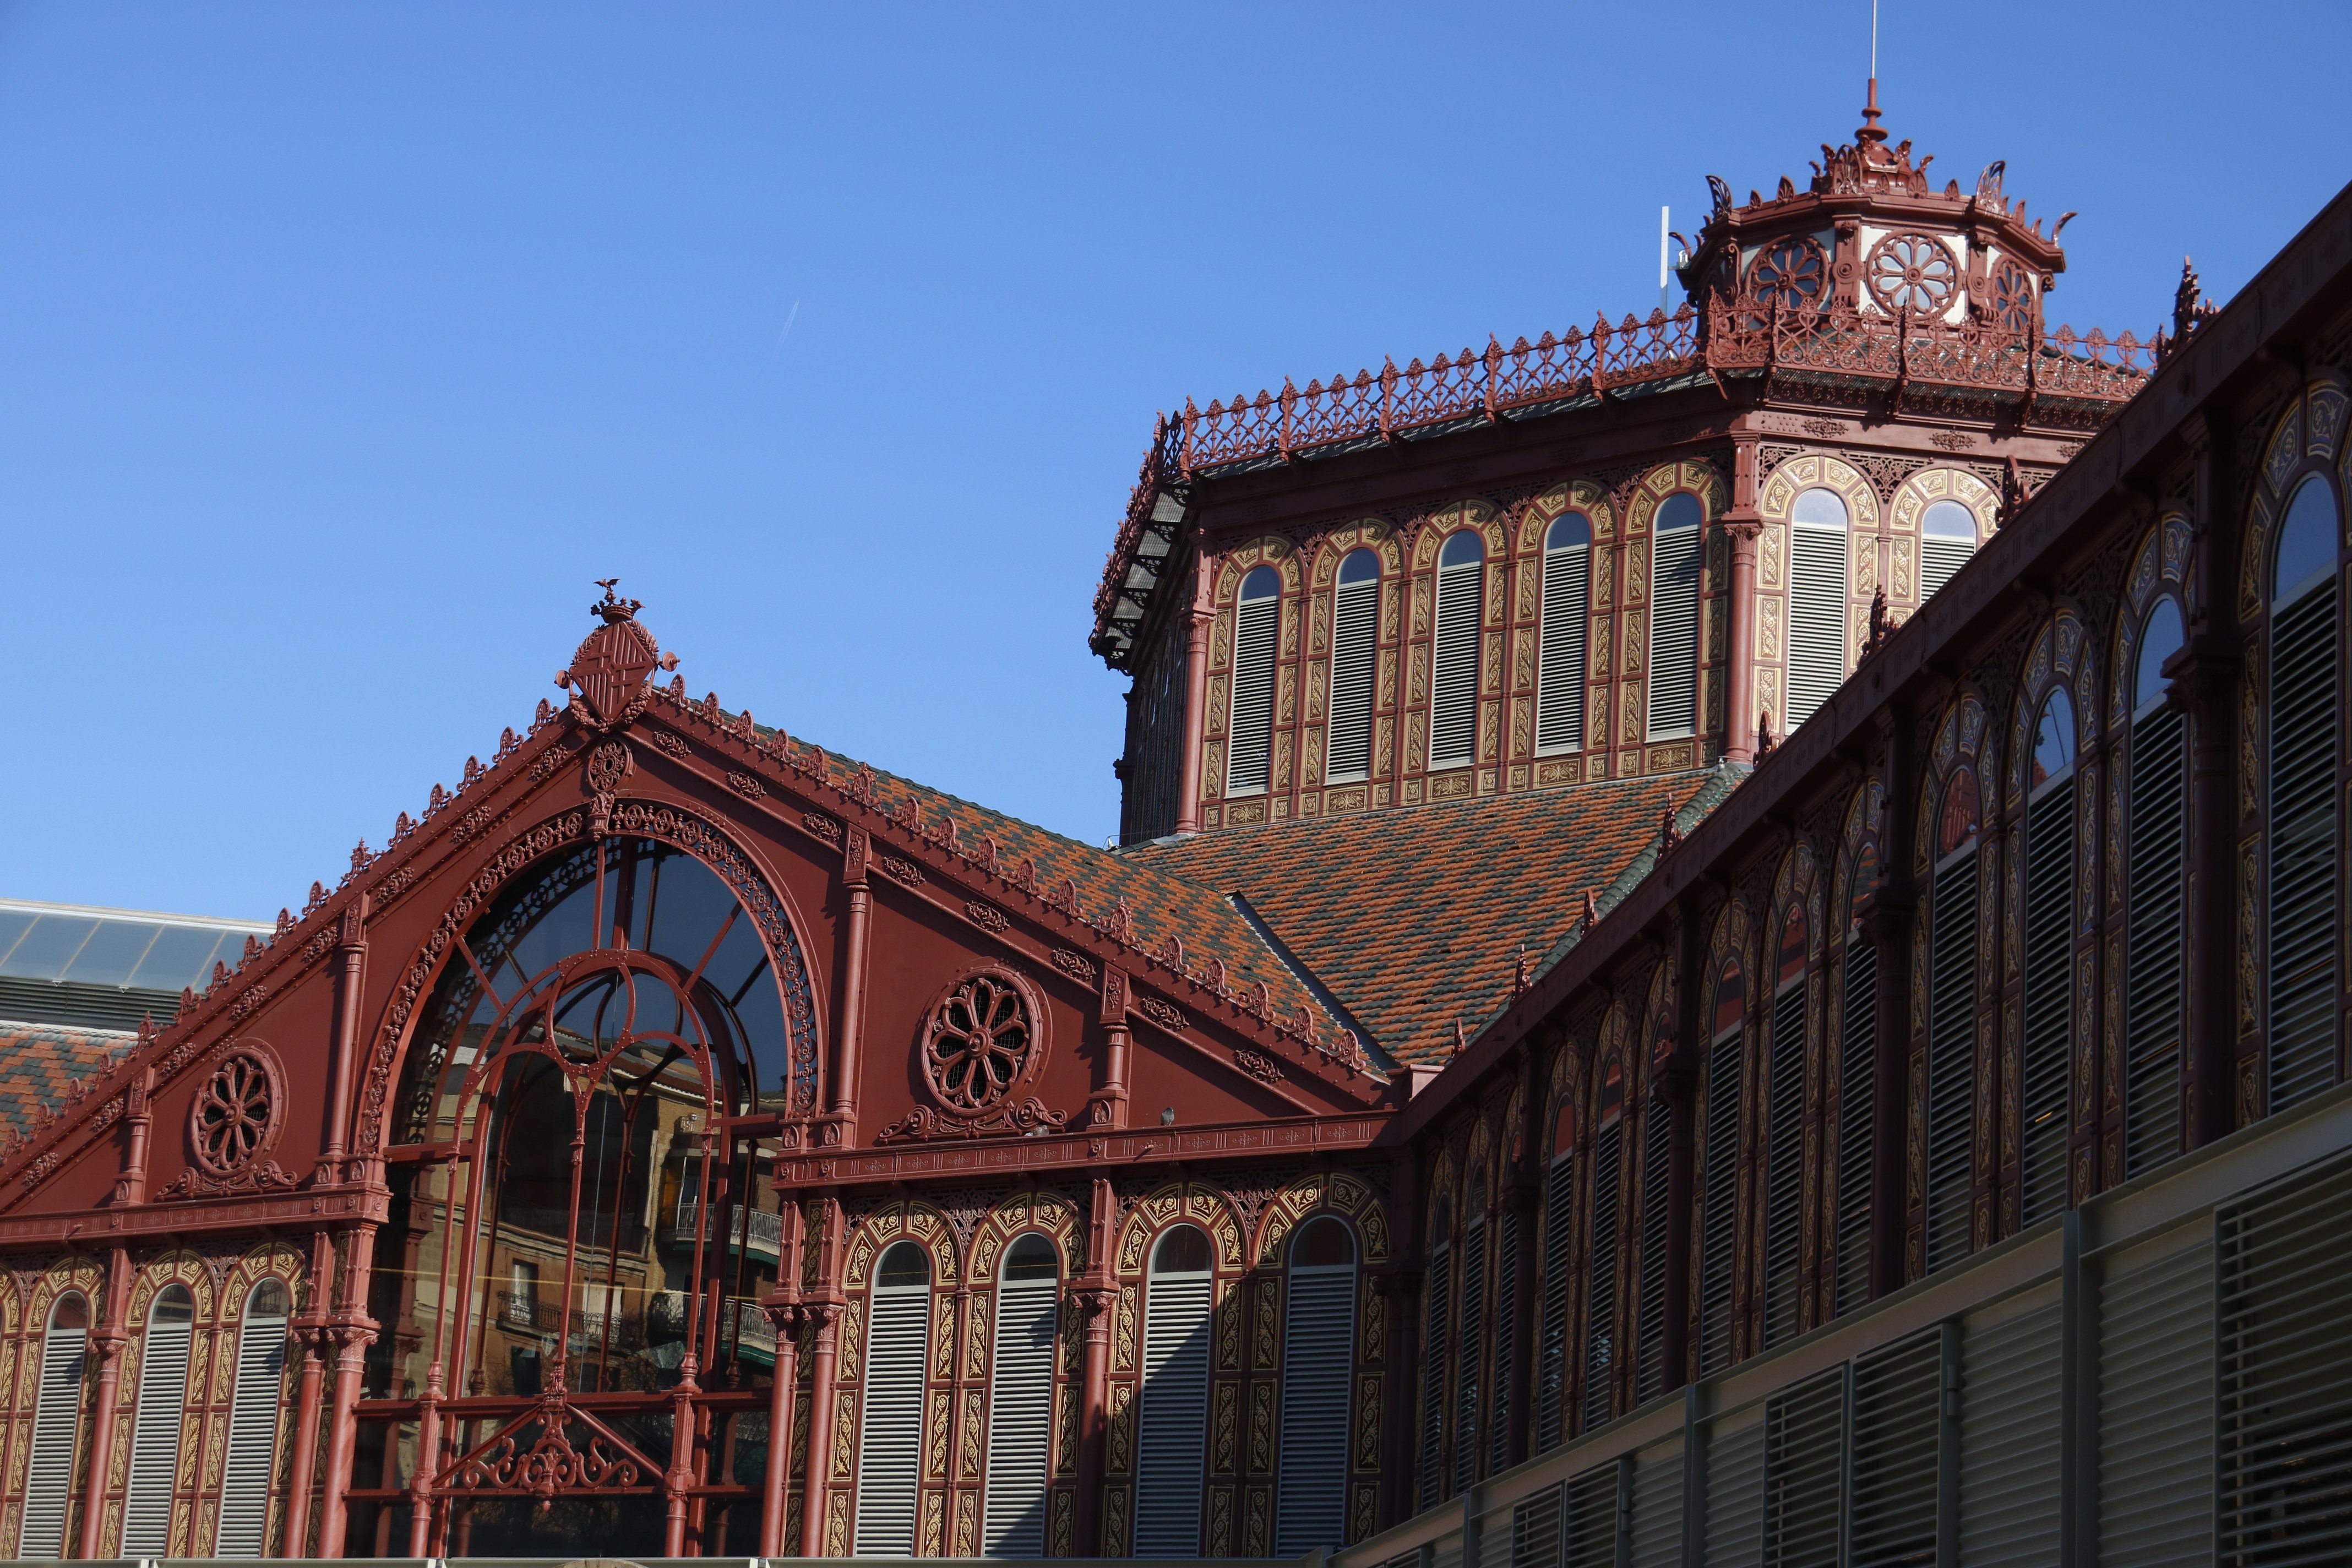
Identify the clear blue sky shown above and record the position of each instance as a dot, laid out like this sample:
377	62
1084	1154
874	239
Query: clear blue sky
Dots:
341	347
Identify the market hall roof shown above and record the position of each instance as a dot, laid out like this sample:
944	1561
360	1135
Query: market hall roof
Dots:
105	969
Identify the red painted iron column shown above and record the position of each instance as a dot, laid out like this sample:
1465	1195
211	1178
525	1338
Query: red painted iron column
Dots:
352	1331
1741	528
824	1312
309	1331
783	1309
350	958
111	1336
1196	700
1096	1294
842	1102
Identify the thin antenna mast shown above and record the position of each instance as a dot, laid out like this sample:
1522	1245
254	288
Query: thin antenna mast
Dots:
1662	255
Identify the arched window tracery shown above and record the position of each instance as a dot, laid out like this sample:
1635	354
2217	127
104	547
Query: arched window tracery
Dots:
1172	1435
1355	657
1317	1359
2305	829
1453	688
1567	612
1819	550
1257	627
166	1343
1676	552
2156	864
1947	538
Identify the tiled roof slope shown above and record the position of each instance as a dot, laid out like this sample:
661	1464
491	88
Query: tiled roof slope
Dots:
40	1063
1414	918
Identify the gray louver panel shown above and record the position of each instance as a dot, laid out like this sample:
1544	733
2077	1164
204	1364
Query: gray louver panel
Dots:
2306	901
1173	1435
1020	1417
1951	1060
1805	1457
1720	1217
2152	1041
1535	1531
155	1439
252	1438
1473	1345
1438	1341
2048	996
1448	1553
2009	1440
1784	1176
1897	1402
1589	1528
1939	561
2284	1393
890	1437
1655	1532
1857	1071
1559	686
1251	746
1657	1141
1551	1372
1317	1353
1454	700
1673	632
1817	578
1735	1492
1355	637
2155	1405
1601	1275
49	1475
1507	1313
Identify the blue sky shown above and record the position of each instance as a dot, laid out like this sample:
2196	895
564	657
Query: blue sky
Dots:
341	347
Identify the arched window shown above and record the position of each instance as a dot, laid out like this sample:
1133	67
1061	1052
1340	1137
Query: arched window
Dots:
1657	1146
1496	1424
1355	641
1438	1344
1318	1341
1454	694
1472	1339
1600	1248
1177	1295
1817	618
1784	1137
1948	537
1567	609
1857	1057
1021	1397
2305	891
1674	558
2156	864
1720	1217
57	1416
2048	957
1951	1016
253	1422
890	1445
155	1439
1560	1216
1257	628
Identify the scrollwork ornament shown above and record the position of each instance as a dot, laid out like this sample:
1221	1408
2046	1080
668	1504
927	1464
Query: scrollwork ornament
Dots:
983	1040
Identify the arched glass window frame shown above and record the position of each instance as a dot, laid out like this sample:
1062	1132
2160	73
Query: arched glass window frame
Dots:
1249	770
1454	667
1563	626
1361	683
1801	615
1678	684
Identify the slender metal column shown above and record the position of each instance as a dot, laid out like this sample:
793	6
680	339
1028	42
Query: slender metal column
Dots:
1741	528
110	1338
1196	701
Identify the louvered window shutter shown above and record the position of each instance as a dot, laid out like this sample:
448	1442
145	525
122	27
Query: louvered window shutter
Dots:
252	1435
1251	748
1473	1342
1898	1398
1804	1460
2049	996
49	1474
1590	1505
1175	1425
1657	1141
1600	1275
1784	1176
1453	704
2156	1404
1435	1346
2010	1433
1720	1217
1673	632
1317	1368
1560	685
1940	561
1734	1498
1817	629
1952	1058
1857	1072
1019	1416
2285	1376
1551	1374
890	1445
1507	1312
1355	637
1653	1534
1535	1531
2153	956
155	1435
2306	898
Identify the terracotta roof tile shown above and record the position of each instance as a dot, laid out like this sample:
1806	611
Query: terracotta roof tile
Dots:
39	1062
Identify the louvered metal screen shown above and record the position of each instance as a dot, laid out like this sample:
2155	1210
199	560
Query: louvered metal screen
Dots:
890	1440
1601	1275
1784	1184
1892	1494
1952	1058
1317	1353
49	1474
2153	951
2049	993
1506	1327
1734	1499
1720	1217
1535	1531
1355	637
1173	1432
252	1437
1471	1355
1453	695
1250	750
2306	896
1804	1464
1020	1416
1817	634
155	1438
1857	1072
1588	1523
1673	632
1438	1341
1551	1371
1654	1526
1559	686
1657	1140
1940	560
2009	1385
2156	1404
2284	1372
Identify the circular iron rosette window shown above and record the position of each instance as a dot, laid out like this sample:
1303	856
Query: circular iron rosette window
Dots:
2010	302
239	1112
984	1038
1912	274
1792	270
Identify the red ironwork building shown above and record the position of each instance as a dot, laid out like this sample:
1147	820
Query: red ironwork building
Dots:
1725	949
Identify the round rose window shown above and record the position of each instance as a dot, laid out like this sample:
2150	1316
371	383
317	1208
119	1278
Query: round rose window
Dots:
1912	274
234	1119
981	1041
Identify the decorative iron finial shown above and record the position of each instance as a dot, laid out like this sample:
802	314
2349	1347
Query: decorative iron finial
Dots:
1870	135
1765	740
1522	972
614	610
1882	625
1670	837
1461	1037
2190	308
1592	916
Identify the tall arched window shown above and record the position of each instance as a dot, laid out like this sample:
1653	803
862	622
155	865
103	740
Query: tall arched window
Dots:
1784	1138
2305	891
890	1445
1354	654
1496	1421
1720	1223
1675	556
1438	1344
1948	537
1318	1341
156	1438
1558	1247
1600	1248
57	1418
1567	609
253	1422
1453	693
1951	1015
2156	864
1817	578
2048	957
1468	1382
1857	1047
1021	1397
1179	1291
1257	628
1650	1277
